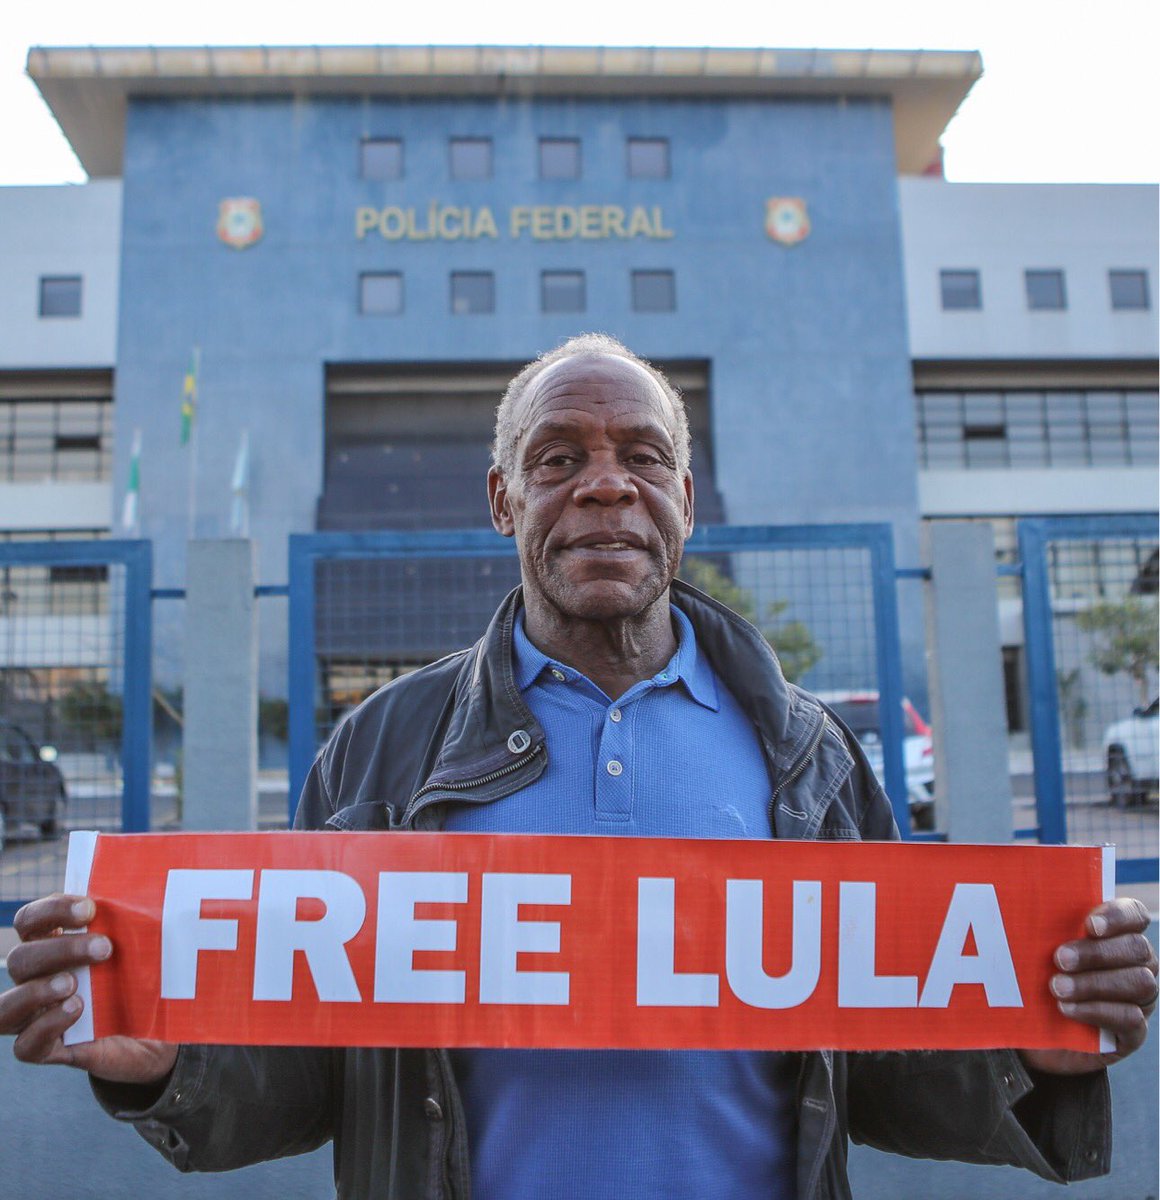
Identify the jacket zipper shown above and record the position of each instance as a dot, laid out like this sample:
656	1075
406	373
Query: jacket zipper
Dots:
414	807
801	764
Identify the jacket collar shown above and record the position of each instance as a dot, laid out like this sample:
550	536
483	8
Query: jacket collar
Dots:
490	726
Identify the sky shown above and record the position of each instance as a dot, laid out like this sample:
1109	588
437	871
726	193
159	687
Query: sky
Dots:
1069	92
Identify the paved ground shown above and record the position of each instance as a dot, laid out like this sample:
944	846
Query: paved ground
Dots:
56	1144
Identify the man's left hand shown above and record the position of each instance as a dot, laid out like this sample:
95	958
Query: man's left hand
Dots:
1107	979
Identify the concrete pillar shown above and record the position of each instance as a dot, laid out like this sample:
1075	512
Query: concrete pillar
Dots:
220	746
968	709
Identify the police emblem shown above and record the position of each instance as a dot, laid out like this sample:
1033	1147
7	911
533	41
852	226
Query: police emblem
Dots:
240	221
786	219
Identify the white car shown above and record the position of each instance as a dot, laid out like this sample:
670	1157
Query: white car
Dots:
1131	750
860	711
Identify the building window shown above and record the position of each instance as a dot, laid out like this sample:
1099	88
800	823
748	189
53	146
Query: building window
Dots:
472	292
562	292
654	291
60	295
984	430
30	590
57	440
381	158
380	293
960	290
1045	291
648	158
470	158
559	158
1103	570
1129	289
1037	429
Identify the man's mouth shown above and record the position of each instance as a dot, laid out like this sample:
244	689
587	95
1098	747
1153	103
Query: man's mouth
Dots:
610	542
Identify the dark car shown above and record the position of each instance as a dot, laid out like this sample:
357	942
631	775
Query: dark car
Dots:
32	790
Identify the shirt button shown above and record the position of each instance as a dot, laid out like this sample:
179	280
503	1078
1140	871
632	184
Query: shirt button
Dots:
432	1109
558	675
614	714
614	768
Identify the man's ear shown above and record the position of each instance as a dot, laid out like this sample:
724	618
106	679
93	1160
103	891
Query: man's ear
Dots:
688	503
497	498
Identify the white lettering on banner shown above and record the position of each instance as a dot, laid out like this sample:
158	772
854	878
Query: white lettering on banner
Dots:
657	981
859	984
281	934
400	933
185	932
503	936
745	940
972	946
974	909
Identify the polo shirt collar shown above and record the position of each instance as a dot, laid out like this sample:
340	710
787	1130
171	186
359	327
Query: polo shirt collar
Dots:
687	665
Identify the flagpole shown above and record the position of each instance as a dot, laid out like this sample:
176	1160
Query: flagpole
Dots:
193	443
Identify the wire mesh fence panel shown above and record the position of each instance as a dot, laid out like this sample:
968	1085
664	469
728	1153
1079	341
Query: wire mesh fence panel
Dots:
379	618
1104	627
64	703
816	608
1102	620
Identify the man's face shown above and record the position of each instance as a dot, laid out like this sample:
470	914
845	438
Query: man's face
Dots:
597	504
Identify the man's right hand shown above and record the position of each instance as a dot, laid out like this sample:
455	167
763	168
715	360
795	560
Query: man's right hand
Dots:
44	1001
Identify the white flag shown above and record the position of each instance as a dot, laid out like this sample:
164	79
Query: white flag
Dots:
240	485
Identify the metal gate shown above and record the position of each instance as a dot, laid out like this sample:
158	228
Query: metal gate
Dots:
368	607
1090	619
75	684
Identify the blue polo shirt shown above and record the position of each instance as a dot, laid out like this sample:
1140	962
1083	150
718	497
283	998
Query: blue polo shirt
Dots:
673	757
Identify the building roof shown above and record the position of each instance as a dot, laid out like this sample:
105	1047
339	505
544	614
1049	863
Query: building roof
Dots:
87	87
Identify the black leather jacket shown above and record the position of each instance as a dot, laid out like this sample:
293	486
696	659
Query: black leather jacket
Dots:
459	730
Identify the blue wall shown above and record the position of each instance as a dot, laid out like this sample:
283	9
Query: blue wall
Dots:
810	376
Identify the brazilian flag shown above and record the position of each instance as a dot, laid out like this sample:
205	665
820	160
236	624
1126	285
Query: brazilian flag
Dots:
189	399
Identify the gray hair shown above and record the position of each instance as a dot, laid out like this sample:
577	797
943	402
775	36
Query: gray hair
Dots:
508	429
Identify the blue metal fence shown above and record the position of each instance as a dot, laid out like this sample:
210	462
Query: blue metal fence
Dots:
1089	581
75	675
367	606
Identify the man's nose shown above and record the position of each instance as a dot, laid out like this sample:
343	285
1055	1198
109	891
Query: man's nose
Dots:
605	481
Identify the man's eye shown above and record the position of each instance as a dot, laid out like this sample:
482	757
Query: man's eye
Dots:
557	460
642	459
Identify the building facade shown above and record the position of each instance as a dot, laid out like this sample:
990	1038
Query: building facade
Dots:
350	251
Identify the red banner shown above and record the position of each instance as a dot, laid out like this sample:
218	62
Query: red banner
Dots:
419	939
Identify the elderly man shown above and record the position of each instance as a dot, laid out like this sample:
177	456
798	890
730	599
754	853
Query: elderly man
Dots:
605	697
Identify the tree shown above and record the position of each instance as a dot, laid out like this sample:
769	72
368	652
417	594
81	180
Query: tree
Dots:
792	641
1126	639
94	712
